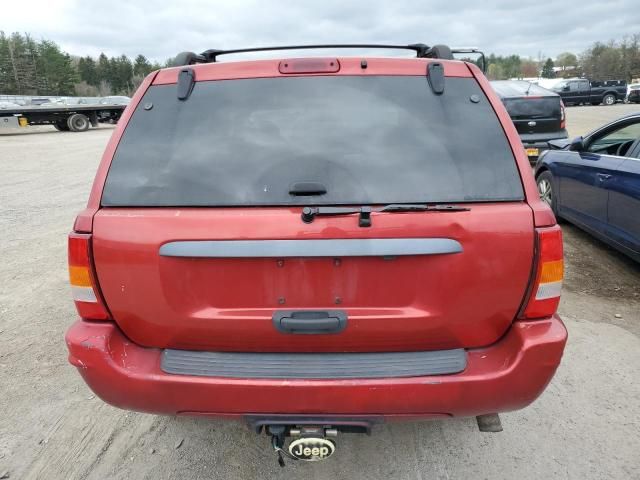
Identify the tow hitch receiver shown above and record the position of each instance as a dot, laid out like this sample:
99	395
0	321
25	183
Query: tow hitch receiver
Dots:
310	443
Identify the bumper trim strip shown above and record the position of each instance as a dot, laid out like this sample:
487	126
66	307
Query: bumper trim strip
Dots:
313	365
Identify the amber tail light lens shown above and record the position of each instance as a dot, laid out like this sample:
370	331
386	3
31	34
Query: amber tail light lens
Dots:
84	287
544	295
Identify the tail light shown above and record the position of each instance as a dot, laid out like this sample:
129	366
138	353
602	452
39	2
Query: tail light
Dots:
84	287
563	118
544	295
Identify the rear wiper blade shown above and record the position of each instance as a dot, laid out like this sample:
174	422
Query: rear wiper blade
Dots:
416	207
309	213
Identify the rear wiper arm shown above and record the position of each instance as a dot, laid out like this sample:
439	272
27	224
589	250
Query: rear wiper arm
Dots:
309	213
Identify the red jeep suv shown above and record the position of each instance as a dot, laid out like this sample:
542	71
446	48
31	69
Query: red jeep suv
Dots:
316	245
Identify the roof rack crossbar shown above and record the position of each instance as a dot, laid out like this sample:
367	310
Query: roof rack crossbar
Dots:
422	51
209	56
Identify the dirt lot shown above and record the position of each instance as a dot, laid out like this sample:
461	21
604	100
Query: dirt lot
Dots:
586	425
581	120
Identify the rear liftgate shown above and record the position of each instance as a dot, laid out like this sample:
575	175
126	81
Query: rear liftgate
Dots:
312	437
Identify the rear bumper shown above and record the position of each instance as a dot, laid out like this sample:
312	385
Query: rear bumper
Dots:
505	376
541	141
539	145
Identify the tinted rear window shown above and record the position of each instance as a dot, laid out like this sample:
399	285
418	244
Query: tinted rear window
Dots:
368	140
541	107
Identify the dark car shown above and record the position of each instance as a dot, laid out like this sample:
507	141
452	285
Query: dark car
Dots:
312	245
537	113
594	182
578	91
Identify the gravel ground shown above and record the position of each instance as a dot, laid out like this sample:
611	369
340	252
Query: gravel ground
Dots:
582	120
586	424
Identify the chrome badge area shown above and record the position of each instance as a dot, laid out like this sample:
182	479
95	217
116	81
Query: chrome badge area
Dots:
312	449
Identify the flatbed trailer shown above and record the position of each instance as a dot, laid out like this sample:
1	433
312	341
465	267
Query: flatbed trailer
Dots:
74	118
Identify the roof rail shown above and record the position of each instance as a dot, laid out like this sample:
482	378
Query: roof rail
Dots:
209	56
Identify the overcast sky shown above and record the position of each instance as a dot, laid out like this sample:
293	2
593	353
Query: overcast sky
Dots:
159	29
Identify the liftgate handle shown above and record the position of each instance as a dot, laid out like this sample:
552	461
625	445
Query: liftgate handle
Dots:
309	321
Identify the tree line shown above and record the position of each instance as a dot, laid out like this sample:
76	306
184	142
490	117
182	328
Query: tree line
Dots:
615	60
30	67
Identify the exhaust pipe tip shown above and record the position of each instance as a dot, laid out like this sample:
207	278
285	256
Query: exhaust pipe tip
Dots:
489	423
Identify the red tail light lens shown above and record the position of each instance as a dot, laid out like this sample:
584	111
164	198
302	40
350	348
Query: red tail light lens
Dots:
563	118
544	296
84	287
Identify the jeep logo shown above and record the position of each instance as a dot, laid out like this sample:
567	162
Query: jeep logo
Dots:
312	449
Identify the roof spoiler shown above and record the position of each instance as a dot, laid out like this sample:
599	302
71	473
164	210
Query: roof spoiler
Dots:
422	51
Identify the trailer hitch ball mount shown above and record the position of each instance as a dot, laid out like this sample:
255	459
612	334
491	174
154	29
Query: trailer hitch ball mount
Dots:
311	443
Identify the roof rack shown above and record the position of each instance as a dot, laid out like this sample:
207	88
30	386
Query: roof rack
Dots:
422	51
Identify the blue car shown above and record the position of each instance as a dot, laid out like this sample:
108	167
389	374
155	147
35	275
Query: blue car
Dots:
594	183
